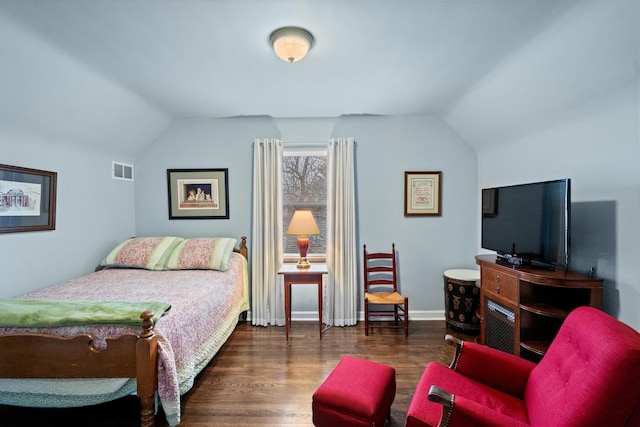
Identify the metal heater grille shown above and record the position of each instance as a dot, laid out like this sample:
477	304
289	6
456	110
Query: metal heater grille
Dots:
499	326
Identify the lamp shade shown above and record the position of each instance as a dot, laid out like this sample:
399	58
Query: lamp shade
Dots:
303	224
291	44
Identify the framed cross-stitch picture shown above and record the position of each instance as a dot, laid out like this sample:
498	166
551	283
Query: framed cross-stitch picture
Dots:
423	194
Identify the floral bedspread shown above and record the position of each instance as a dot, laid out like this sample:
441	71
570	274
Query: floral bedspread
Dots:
205	305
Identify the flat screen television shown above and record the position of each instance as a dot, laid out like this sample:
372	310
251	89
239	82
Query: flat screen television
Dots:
528	224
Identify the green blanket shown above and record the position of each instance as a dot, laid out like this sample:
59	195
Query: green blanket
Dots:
50	313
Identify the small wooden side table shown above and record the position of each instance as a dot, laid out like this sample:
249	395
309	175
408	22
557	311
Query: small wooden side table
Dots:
294	276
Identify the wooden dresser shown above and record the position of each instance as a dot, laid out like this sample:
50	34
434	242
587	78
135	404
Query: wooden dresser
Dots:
522	308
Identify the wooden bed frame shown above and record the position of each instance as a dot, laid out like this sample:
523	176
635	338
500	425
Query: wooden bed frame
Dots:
126	356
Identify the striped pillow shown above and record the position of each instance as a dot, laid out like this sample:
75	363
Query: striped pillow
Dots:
211	253
150	253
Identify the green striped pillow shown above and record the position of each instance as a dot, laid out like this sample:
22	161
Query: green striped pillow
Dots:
205	253
150	253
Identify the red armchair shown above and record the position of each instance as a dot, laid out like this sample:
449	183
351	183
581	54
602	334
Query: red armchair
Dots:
589	377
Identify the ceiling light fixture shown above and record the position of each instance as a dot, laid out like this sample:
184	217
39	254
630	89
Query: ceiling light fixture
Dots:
291	44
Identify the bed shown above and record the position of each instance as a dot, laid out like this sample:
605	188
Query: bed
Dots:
159	309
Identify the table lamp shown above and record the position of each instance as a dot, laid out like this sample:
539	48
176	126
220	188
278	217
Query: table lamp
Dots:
302	224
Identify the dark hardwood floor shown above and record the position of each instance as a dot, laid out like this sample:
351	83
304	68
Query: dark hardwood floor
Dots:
260	379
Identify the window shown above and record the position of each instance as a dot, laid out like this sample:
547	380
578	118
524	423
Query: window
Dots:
304	187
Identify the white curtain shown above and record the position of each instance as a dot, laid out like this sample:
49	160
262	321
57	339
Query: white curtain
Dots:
267	298
342	257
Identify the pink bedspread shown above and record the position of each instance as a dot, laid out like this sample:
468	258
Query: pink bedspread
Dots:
205	306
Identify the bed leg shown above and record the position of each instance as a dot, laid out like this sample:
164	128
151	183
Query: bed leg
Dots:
146	370
147	417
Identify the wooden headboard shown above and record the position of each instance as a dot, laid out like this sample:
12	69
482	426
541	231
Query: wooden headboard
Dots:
243	249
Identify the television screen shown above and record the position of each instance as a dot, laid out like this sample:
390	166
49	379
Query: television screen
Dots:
528	224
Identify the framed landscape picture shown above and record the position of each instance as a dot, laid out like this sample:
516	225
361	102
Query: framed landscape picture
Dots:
27	199
198	193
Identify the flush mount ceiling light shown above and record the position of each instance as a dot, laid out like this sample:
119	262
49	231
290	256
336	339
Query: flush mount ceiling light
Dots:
291	44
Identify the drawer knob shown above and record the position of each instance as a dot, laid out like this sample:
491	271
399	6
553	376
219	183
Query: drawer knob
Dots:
498	289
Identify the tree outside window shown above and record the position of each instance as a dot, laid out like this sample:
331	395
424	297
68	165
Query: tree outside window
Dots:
304	187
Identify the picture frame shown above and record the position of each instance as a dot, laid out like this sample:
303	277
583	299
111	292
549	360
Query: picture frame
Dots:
198	193
27	199
490	202
423	193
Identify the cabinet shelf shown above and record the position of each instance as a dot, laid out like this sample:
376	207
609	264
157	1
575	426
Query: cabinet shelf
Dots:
538	301
537	347
545	310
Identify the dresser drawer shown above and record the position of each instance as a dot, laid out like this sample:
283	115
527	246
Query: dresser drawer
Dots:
500	284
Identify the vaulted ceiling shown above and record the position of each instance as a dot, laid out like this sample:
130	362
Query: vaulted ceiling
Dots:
118	71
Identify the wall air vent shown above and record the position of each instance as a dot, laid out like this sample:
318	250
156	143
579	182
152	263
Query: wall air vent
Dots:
121	171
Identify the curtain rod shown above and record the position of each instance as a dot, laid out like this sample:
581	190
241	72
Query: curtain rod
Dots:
305	142
316	143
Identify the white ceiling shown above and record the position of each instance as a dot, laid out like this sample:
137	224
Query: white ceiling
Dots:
137	65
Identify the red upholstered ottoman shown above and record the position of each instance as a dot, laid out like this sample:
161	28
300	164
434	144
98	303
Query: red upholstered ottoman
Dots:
357	392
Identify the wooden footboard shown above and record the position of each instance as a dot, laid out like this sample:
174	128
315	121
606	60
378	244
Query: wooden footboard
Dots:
126	356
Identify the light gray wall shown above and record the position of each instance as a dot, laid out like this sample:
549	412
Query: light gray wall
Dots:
386	148
198	144
598	147
59	114
94	212
566	105
426	246
50	92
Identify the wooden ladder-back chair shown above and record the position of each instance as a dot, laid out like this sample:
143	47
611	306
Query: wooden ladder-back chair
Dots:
381	289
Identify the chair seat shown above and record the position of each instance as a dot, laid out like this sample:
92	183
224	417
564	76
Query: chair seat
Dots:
384	298
381	288
423	412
